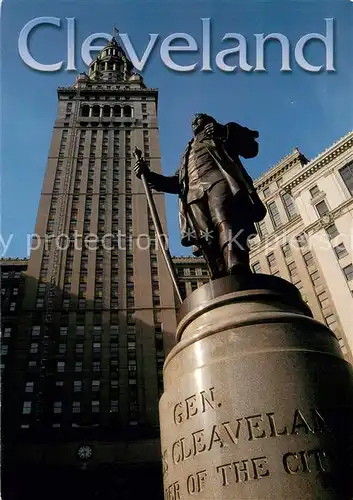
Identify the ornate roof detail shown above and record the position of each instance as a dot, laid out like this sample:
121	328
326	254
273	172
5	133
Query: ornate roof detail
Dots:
324	158
111	64
310	166
188	260
280	168
81	81
6	261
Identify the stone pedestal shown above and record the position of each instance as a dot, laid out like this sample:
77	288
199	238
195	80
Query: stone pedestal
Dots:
258	401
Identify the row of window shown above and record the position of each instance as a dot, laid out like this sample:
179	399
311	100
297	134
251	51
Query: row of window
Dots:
110	125
346	174
289	204
107	138
274	213
301	241
107	111
80	330
80	320
156	300
348	272
11	308
78	385
192	271
323	299
95	366
76	407
79	349
108	87
340	251
10	275
295	278
294	275
131	347
6	332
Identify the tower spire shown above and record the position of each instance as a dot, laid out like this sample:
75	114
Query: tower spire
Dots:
115	32
111	64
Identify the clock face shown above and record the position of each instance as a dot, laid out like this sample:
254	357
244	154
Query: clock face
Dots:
84	452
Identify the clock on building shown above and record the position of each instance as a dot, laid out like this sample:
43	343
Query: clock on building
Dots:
84	452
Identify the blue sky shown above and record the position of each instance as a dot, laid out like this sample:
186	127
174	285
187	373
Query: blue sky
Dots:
308	110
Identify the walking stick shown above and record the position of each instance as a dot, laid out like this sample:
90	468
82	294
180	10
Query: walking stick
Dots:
158	227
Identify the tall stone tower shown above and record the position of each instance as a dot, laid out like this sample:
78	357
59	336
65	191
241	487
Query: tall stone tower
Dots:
99	309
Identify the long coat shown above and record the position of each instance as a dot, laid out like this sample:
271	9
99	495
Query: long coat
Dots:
239	182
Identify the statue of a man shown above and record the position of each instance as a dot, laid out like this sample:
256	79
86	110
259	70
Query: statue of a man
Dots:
218	204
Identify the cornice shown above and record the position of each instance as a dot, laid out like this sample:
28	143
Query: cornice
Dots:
188	260
13	261
67	90
309	167
323	159
279	169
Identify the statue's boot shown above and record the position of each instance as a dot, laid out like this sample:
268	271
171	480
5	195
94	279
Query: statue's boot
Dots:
235	258
235	263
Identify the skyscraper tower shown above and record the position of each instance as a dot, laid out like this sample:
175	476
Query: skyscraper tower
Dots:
95	325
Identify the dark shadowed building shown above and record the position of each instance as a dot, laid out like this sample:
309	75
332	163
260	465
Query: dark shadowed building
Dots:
81	414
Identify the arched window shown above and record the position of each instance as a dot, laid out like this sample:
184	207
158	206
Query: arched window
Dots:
96	110
85	110
127	111
117	110
106	111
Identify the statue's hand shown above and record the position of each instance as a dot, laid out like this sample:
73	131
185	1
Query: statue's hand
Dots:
141	168
215	131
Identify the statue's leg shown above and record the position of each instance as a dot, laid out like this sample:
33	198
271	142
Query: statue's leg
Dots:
208	241
230	220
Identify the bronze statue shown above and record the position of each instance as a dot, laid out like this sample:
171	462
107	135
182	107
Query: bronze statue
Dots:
218	204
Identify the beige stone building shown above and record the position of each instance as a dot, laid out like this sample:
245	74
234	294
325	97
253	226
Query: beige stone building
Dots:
307	235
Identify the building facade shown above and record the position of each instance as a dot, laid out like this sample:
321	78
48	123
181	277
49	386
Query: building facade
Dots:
191	272
307	235
94	327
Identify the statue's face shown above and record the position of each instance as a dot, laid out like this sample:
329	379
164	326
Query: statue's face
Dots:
200	121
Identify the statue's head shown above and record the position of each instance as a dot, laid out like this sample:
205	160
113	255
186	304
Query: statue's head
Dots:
199	122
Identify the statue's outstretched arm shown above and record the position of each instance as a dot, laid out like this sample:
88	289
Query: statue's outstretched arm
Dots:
166	184
156	181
